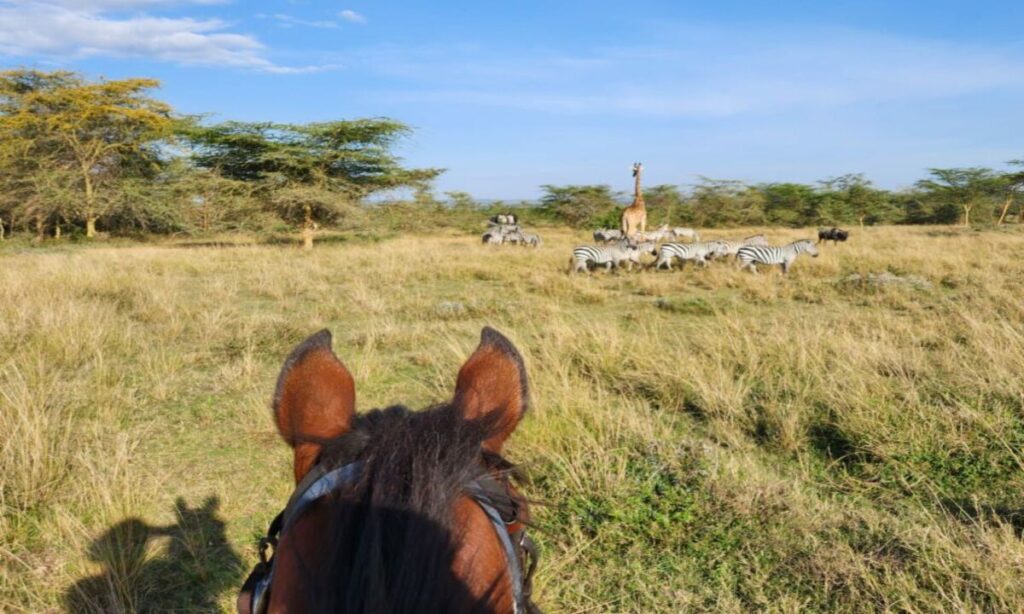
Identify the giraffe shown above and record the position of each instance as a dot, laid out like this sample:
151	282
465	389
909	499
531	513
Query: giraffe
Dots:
634	217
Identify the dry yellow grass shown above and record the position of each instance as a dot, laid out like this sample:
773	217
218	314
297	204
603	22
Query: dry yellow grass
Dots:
706	439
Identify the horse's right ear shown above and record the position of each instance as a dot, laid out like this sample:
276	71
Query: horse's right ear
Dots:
315	400
492	385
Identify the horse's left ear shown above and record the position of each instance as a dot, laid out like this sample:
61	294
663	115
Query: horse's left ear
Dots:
315	400
492	383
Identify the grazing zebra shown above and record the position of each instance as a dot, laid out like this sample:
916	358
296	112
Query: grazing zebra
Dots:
685	233
530	238
607	235
699	252
752	255
607	255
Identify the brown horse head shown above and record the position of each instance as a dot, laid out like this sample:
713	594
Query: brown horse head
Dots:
423	517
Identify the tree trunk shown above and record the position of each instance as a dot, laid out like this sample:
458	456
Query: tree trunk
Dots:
307	229
861	220
1006	208
56	231
40	229
90	201
967	216
2	229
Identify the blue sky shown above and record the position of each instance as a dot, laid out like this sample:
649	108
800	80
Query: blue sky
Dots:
511	95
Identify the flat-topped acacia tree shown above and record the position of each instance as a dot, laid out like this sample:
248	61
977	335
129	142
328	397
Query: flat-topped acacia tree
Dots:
961	187
309	174
84	135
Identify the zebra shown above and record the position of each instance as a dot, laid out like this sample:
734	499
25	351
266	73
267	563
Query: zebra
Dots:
497	234
685	233
699	252
516	236
607	235
607	255
752	255
730	247
661	234
530	238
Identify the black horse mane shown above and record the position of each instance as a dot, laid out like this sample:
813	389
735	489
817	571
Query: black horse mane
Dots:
391	538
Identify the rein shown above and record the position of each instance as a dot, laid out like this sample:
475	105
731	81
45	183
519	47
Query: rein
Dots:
492	495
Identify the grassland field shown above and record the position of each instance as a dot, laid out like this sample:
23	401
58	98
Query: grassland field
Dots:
704	440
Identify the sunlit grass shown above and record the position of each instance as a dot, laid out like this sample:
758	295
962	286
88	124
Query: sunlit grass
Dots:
705	439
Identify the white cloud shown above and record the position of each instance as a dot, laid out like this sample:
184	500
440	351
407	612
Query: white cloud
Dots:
352	16
60	30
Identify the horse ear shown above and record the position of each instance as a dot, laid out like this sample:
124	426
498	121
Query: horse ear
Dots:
492	385
315	400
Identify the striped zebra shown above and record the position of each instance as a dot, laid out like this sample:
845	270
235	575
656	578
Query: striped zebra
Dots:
608	256
685	233
730	247
661	234
607	235
752	255
530	238
700	252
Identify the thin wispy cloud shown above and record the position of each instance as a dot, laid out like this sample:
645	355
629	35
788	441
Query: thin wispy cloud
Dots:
704	72
352	16
71	29
289	21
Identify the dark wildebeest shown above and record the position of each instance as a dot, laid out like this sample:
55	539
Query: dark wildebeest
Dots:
832	234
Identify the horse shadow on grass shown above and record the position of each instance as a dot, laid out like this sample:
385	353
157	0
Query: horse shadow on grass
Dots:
190	573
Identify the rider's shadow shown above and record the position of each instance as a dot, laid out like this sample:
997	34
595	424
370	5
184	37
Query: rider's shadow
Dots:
189	573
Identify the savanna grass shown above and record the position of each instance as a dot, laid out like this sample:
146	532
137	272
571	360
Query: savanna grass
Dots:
704	439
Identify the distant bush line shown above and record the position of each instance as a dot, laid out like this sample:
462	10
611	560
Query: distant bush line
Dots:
81	158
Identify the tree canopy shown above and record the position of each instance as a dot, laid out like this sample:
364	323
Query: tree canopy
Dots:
309	174
78	138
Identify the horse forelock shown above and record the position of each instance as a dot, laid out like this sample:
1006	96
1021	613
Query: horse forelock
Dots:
393	536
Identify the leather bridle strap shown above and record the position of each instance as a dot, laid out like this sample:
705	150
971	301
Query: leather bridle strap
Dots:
515	570
313	486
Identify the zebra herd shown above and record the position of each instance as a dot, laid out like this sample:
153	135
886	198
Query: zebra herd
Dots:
748	252
504	228
663	233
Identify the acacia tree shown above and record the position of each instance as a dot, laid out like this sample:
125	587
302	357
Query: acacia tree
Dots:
965	188
793	204
580	205
92	133
309	174
727	202
854	196
664	202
